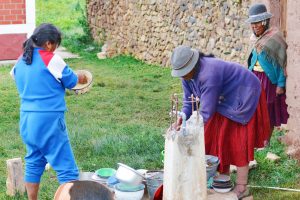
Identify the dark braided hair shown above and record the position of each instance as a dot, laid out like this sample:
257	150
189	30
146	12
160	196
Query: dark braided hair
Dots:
42	34
267	26
201	55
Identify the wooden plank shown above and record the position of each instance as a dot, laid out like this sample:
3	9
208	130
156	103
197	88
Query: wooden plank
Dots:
14	182
283	17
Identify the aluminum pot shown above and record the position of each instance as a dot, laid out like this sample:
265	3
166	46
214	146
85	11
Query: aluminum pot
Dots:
128	175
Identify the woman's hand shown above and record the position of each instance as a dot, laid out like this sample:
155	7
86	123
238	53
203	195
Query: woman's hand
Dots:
82	79
177	125
279	91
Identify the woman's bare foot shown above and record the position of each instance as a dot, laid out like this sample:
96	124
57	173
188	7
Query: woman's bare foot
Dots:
241	191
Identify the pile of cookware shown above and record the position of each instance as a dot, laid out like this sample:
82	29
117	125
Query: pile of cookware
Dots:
222	183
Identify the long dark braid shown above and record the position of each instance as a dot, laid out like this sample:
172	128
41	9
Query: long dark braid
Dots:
42	34
205	55
28	51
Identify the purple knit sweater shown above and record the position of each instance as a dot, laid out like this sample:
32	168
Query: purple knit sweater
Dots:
224	87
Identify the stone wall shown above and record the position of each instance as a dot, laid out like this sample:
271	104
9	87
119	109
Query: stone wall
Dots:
151	29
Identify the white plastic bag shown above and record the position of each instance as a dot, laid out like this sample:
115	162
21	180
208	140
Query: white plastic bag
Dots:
184	162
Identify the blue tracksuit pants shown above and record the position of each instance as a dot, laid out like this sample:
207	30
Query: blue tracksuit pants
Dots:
46	138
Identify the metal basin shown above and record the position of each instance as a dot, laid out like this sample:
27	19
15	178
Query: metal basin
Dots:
212	163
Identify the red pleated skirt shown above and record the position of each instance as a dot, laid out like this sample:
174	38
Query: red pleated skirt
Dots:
233	143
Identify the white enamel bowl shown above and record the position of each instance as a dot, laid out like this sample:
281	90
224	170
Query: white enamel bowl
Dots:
128	175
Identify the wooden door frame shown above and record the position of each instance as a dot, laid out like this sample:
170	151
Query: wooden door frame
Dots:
283	17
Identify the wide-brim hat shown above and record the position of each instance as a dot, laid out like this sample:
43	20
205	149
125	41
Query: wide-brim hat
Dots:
183	60
258	12
82	88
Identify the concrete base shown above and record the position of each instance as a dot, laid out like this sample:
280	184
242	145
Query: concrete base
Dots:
212	195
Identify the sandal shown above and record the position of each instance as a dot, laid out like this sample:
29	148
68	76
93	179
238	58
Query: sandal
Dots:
241	193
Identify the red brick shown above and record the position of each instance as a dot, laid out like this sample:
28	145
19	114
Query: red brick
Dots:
20	6
5	22
10	6
10	17
17	1
16	12
18	22
4	12
21	17
5	1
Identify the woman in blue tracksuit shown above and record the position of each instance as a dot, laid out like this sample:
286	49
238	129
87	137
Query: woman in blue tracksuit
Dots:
41	78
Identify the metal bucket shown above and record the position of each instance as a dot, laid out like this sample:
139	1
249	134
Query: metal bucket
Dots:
154	179
212	163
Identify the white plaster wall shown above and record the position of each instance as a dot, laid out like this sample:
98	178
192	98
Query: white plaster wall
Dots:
293	80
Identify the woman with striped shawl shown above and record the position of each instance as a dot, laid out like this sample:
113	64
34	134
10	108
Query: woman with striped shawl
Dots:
267	61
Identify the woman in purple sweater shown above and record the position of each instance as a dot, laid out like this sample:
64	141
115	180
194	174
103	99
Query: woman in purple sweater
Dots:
232	105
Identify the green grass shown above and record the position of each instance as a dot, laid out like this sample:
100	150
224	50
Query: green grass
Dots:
63	13
122	118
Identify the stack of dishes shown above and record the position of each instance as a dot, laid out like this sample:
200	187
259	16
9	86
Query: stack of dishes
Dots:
131	185
101	175
222	183
128	175
129	192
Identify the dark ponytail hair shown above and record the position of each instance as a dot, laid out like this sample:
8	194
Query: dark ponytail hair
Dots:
42	34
